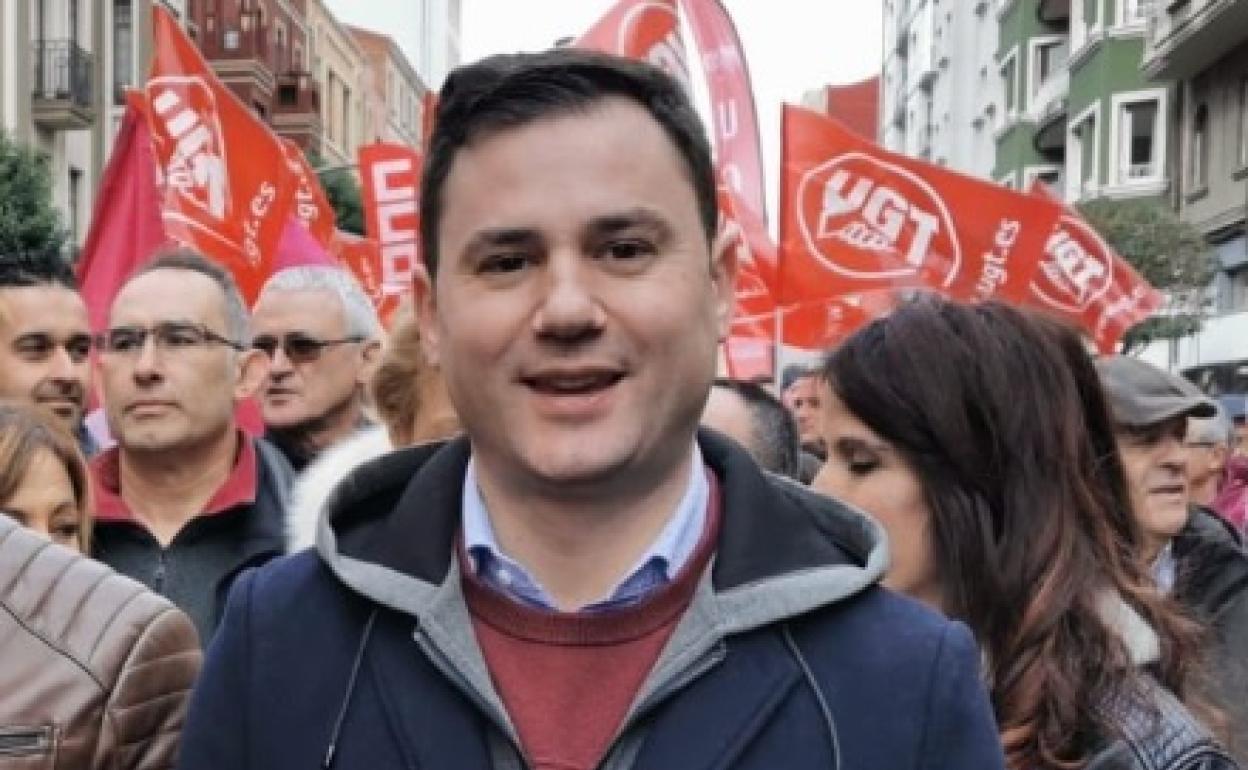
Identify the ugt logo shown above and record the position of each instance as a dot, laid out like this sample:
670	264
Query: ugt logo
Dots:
1076	270
867	219
189	144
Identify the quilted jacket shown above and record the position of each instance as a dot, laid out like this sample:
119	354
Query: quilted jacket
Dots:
95	670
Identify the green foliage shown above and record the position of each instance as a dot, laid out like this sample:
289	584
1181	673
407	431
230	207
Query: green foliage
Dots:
343	193
1169	253
28	220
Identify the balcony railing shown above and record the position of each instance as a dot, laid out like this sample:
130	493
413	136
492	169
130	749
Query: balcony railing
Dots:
62	94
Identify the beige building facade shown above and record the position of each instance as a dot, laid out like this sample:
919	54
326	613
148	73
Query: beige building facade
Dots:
339	68
394	92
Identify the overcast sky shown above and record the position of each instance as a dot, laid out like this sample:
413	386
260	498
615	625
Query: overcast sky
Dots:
791	46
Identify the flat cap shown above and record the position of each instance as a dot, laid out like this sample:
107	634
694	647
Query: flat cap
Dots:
1141	395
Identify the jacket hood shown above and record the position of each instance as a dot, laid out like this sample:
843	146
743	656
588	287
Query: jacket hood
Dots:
388	533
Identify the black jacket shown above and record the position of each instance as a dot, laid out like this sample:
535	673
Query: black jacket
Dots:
1212	583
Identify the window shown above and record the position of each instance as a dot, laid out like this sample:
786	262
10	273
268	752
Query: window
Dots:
231	39
1091	12
1082	162
1135	12
1198	150
75	196
123	49
1243	122
1138	141
1009	77
1048	60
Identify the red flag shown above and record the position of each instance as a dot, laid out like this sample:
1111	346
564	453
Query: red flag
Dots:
749	358
648	30
857	218
1087	282
312	206
126	226
390	186
823	325
226	182
362	258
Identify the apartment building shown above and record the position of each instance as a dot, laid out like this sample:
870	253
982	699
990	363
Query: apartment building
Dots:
437	38
64	66
259	49
939	87
394	92
338	67
1078	112
1202	46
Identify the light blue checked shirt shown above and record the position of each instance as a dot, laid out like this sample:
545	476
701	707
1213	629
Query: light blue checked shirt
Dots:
657	567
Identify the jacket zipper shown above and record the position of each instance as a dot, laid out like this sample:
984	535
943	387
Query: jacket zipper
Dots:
25	741
158	579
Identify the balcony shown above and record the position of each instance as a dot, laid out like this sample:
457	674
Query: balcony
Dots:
62	99
296	110
1184	39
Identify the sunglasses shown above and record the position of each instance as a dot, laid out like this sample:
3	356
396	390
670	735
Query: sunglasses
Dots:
298	347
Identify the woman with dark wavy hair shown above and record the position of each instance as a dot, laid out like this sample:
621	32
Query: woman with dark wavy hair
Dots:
979	437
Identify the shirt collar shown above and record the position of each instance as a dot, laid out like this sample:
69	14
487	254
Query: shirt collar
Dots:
667	554
238	489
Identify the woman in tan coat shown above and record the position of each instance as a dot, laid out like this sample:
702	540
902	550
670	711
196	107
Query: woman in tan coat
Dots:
95	670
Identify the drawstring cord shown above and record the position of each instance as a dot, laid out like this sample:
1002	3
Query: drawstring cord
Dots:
332	750
828	722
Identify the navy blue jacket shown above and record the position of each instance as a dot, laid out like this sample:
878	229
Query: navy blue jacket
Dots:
361	655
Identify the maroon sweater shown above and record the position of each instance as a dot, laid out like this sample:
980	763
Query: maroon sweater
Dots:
567	679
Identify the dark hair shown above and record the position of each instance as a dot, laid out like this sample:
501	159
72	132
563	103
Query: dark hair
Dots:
183	258
513	90
776	445
36	268
1000	414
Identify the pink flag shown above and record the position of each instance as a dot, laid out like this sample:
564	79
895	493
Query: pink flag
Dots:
298	247
126	226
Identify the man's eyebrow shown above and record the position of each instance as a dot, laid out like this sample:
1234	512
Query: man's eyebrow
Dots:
625	220
501	236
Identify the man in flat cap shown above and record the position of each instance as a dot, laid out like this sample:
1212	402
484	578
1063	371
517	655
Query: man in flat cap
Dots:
1196	557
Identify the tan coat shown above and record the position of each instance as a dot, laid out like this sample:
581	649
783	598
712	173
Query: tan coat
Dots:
95	670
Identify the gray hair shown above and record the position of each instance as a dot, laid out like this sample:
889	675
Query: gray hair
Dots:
361	316
1214	430
237	320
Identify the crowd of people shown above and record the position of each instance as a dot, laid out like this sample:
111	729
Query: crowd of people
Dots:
528	526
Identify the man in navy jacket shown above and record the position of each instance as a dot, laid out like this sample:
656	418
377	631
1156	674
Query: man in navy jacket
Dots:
583	580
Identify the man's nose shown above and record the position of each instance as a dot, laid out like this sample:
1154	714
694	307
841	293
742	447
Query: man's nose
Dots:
568	307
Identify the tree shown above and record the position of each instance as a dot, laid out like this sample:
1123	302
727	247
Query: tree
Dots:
28	220
1169	253
343	193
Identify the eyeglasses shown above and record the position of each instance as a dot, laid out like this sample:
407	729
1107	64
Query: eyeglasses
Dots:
299	348
171	336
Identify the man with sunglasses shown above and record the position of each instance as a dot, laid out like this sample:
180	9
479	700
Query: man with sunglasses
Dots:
1196	557
321	335
186	500
45	340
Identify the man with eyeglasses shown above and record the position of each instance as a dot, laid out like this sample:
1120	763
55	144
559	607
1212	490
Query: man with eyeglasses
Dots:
321	335
186	500
45	339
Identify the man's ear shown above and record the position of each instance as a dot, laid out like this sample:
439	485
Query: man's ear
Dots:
371	352
251	370
725	264
424	300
